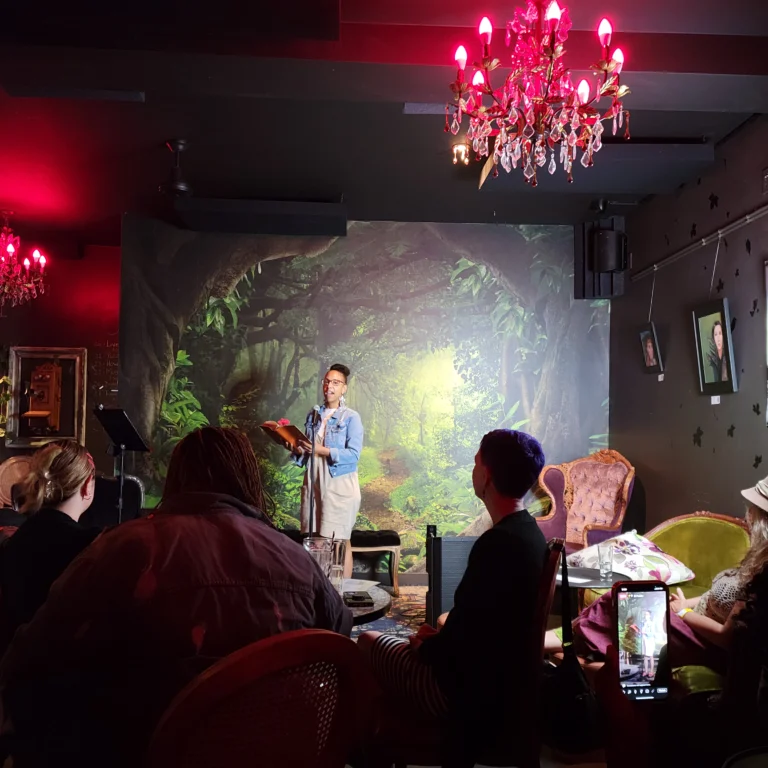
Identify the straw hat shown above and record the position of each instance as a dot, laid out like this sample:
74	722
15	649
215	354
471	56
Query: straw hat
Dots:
12	471
758	495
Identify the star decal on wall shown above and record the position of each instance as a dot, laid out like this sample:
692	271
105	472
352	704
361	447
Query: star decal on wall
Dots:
731	430
697	436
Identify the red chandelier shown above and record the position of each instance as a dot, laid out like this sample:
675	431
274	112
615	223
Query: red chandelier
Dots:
537	116
21	279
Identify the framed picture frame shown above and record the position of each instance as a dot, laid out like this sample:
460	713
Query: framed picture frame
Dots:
47	395
714	348
649	344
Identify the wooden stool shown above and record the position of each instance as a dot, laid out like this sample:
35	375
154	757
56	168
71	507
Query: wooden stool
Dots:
380	541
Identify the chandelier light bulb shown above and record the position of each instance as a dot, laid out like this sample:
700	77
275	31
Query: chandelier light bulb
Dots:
11	250
583	92
36	255
460	57
604	32
618	58
26	263
478	78
485	30
42	261
553	14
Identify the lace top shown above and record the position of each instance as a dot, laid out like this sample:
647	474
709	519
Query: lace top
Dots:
725	592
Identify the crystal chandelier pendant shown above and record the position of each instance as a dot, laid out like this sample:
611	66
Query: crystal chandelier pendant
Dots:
536	106
21	277
552	164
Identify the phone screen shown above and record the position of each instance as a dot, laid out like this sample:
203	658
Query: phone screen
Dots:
642	612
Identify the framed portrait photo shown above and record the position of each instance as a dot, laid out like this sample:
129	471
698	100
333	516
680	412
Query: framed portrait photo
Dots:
649	344
47	396
714	348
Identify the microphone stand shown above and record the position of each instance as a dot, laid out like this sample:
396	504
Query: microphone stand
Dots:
311	485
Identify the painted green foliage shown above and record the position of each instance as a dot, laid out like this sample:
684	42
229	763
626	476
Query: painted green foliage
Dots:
441	348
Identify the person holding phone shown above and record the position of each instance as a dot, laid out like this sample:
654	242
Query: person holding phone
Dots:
701	627
337	432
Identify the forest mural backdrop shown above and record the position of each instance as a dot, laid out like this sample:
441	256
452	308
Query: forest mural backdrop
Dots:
450	330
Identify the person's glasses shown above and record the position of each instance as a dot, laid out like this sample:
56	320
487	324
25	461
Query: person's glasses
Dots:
333	382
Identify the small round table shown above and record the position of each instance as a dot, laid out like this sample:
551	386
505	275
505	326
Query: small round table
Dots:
589	578
382	601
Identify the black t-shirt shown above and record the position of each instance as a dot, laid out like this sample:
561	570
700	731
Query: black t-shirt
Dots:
478	655
31	560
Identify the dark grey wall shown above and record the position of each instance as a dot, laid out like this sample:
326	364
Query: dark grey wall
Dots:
653	423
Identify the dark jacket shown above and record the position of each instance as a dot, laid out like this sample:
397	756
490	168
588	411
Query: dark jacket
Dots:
148	606
479	657
31	560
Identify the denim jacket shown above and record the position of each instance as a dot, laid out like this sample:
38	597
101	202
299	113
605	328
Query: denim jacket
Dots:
343	437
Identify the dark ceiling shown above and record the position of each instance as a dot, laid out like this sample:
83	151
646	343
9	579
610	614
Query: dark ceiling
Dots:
344	105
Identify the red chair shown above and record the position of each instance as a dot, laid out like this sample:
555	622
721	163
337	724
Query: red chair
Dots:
418	743
290	701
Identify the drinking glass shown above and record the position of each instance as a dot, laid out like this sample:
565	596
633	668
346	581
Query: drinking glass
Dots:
338	552
321	549
605	559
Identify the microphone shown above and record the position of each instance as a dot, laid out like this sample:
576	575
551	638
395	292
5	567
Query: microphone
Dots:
315	415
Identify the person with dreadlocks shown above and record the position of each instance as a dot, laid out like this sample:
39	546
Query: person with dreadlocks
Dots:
154	602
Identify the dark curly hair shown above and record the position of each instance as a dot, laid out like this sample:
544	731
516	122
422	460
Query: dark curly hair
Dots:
342	369
513	459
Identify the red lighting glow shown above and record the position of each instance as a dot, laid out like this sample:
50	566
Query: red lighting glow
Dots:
460	57
604	32
618	57
485	30
583	91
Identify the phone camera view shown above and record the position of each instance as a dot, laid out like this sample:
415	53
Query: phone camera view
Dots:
643	668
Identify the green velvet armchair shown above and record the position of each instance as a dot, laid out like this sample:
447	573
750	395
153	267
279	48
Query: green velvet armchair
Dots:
705	542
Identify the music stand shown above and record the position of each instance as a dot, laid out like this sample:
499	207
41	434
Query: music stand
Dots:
124	437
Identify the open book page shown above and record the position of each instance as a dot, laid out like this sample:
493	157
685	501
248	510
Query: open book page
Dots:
284	432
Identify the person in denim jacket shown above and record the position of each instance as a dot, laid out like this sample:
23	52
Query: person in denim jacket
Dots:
338	435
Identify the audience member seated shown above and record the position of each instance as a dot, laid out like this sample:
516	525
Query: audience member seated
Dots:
701	627
703	730
466	674
57	491
153	603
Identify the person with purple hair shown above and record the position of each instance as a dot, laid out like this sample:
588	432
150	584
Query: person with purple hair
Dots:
467	674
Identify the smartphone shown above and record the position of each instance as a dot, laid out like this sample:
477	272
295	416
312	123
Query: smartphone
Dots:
641	633
358	599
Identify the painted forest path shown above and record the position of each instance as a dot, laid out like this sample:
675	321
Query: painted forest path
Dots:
375	495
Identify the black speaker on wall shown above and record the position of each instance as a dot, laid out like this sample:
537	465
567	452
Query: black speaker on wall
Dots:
600	259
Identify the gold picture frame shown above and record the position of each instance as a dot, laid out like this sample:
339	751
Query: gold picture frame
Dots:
48	392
